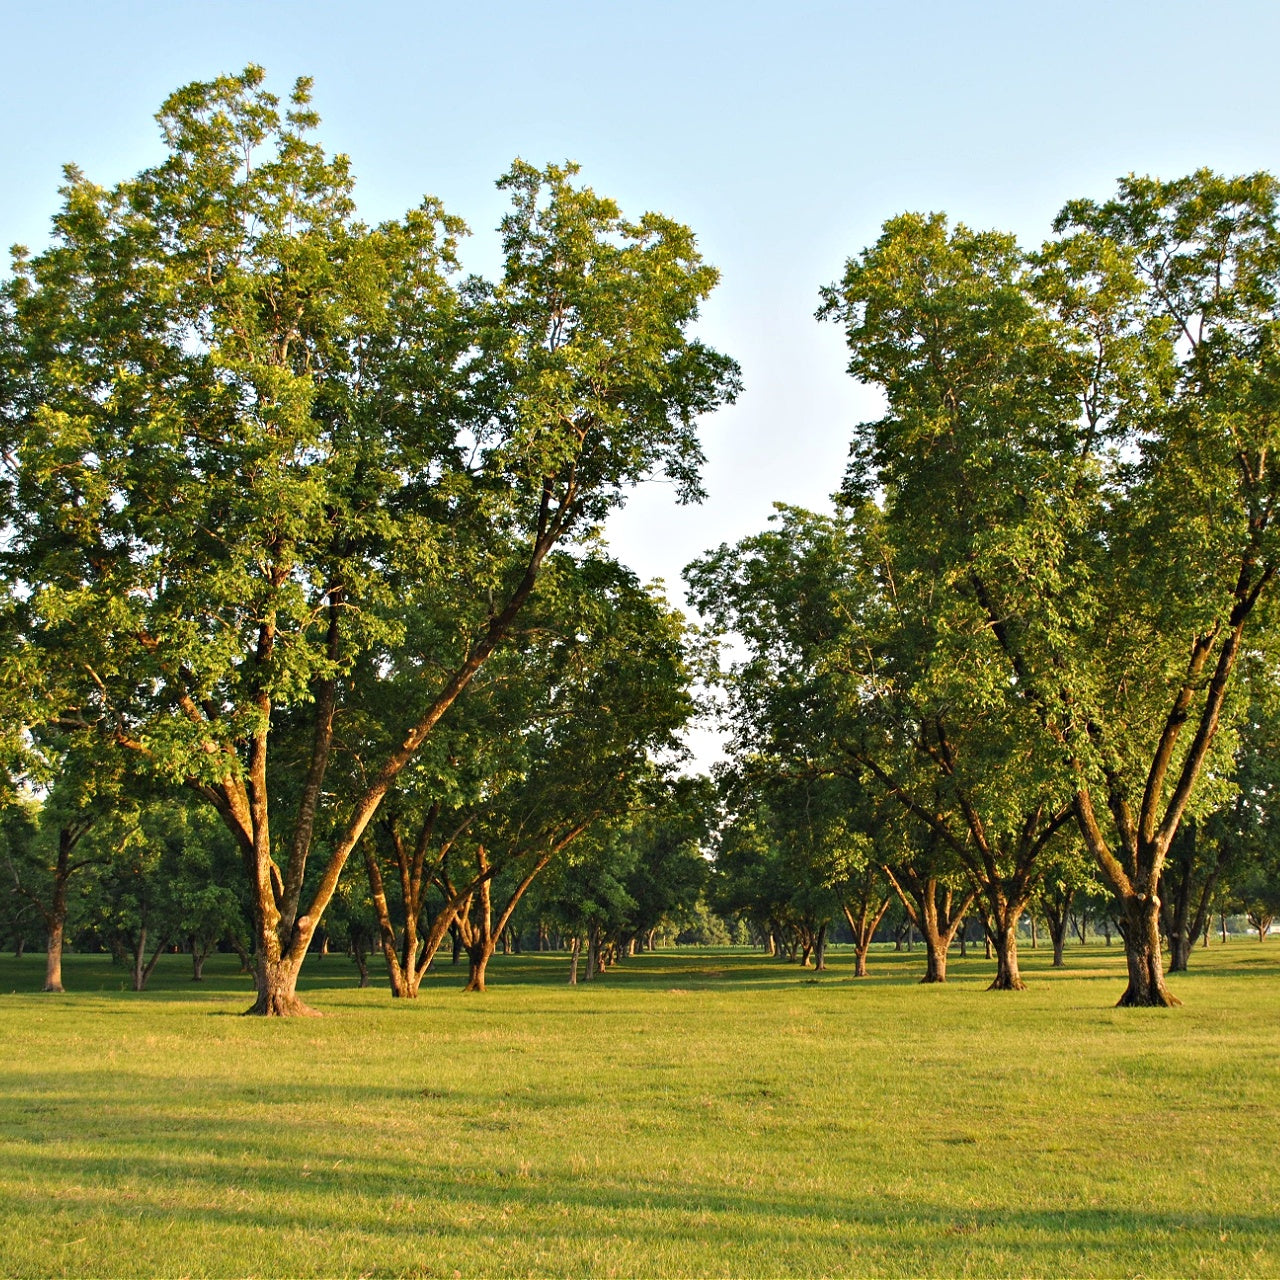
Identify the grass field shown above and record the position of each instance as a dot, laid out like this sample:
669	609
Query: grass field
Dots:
695	1113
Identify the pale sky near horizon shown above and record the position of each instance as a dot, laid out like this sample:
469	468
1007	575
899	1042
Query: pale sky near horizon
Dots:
784	135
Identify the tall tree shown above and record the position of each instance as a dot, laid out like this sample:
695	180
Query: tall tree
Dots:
255	443
1080	441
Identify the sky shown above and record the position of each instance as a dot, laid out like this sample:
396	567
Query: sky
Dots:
784	135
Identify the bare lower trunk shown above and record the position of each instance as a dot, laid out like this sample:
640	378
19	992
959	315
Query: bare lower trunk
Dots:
1142	952
478	962
820	949
863	924
53	957
575	951
142	967
361	957
1006	948
935	963
400	976
277	990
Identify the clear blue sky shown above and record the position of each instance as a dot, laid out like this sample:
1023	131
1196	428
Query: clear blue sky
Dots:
784	135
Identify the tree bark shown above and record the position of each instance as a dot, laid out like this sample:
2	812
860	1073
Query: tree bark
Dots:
1005	938
277	980
1146	987
53	955
933	910
478	961
199	953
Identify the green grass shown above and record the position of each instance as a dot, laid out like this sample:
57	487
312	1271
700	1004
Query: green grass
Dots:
695	1113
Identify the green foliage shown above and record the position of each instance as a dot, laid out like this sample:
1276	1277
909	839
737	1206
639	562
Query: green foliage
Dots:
262	458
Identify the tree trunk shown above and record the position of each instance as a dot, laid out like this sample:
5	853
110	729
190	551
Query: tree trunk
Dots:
399	975
1142	952
820	950
573	960
53	956
277	990
1006	947
139	958
361	957
935	962
142	967
56	916
199	953
478	960
863	926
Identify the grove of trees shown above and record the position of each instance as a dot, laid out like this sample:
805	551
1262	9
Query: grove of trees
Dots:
309	634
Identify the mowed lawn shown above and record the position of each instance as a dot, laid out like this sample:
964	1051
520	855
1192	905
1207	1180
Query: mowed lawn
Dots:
693	1113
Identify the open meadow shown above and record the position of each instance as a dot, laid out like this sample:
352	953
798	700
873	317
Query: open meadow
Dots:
694	1113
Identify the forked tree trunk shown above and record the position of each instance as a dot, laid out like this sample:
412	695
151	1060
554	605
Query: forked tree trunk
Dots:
863	924
932	908
361	957
1008	977
1142	953
142	967
478	961
278	997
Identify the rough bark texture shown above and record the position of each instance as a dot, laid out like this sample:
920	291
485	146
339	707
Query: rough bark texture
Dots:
1005	938
1142	952
278	997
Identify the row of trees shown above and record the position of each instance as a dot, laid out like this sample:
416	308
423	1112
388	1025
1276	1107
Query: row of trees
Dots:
150	876
301	523
1034	645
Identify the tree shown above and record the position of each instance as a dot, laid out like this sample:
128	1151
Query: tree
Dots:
256	443
1078	439
852	672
